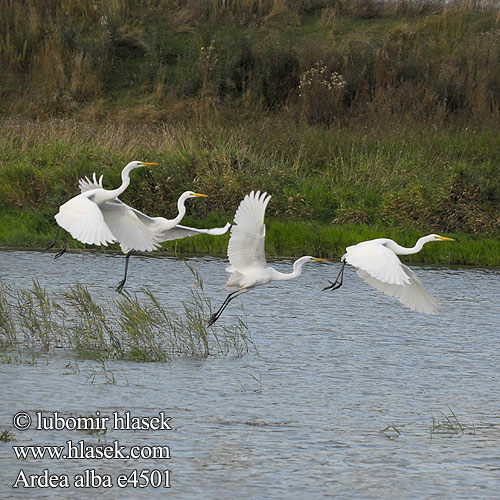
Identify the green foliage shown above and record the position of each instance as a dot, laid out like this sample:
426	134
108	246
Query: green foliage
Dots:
348	112
7	326
449	425
6	436
132	327
419	60
430	181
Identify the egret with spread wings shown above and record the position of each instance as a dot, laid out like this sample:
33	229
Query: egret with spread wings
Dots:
246	251
378	264
84	216
119	216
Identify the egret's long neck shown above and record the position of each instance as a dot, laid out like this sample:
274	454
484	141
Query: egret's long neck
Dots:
181	208
415	249
297	270
161	224
113	193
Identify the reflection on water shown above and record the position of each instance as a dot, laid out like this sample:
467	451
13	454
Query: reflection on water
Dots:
304	417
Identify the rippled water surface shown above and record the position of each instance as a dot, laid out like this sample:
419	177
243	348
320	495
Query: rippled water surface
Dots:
347	396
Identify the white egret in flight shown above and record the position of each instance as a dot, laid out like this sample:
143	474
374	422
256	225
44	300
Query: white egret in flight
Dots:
246	251
378	264
83	215
129	226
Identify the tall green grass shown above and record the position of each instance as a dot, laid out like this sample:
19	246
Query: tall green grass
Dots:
327	185
132	327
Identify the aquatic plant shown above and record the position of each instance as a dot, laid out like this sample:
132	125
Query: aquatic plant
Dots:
133	327
105	373
6	435
7	327
449	425
39	317
391	432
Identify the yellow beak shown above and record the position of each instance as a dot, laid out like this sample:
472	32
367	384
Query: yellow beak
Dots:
148	163
320	260
444	238
200	195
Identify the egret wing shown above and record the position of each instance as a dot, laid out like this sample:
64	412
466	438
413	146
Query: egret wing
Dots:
412	295
246	247
165	231
178	232
127	228
83	219
378	261
86	184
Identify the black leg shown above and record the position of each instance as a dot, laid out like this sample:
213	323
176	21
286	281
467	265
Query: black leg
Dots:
55	239
229	298
338	280
122	282
58	254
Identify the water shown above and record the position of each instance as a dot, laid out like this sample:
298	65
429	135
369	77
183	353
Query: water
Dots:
302	418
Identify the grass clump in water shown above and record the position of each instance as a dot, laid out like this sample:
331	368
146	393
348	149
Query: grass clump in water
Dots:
6	436
7	327
39	317
449	425
131	327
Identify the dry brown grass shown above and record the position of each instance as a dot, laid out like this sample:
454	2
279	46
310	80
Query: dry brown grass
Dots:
88	58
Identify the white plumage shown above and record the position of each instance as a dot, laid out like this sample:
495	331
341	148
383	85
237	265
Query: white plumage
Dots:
378	264
83	219
162	229
135	230
84	215
246	251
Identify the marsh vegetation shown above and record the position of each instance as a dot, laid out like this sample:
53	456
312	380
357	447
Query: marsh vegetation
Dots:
355	115
132	327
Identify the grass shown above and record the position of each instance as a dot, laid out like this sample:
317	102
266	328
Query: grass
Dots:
449	425
330	187
154	59
6	436
129	328
234	96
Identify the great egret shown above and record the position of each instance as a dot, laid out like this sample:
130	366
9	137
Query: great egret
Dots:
128	225
83	218
246	251
379	266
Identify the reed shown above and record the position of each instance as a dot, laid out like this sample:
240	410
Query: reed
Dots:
130	328
7	326
449	425
40	319
6	436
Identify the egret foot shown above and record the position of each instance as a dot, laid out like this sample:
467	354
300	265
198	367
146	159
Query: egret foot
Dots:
212	320
338	280
58	254
333	286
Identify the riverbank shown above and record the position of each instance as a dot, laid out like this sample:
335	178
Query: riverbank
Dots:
361	119
283	239
330	187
